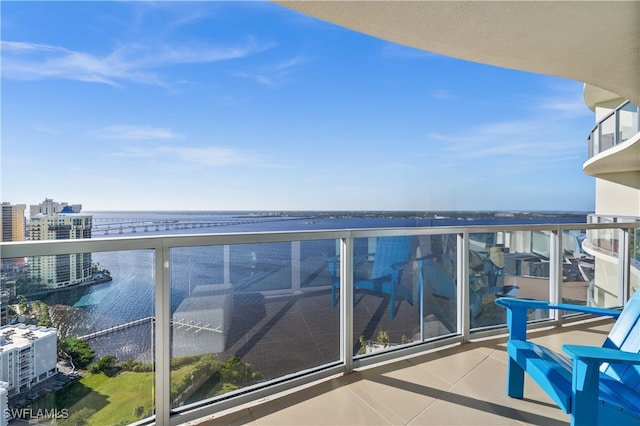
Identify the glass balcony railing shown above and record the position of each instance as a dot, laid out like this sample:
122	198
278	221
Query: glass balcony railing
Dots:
186	326
614	129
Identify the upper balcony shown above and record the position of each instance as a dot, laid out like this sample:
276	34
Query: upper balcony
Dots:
205	326
614	142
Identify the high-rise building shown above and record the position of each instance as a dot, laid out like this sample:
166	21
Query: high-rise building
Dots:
12	228
12	223
64	269
49	208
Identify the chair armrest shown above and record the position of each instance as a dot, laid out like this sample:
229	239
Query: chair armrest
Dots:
600	355
517	313
427	257
332	263
512	303
586	380
399	266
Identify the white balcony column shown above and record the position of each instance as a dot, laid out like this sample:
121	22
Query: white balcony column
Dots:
346	303
624	264
296	277
555	272
463	314
162	335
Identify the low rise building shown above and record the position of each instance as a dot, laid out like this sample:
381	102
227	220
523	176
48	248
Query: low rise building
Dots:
4	404
28	355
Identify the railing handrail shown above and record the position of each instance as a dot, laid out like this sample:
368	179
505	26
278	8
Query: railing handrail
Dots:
161	245
611	114
54	247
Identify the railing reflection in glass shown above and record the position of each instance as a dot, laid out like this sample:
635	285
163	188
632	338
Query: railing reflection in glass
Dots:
248	313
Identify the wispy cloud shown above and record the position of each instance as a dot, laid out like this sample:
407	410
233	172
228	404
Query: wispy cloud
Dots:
126	132
291	63
258	78
275	74
209	156
443	94
127	63
213	156
572	106
520	139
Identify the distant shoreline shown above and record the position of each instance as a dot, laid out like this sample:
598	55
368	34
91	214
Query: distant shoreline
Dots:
104	279
364	213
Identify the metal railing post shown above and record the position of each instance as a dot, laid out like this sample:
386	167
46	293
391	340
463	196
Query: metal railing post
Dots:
624	264
296	277
463	313
555	272
346	303
162	335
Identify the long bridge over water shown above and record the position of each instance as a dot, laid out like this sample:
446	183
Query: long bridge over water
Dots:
108	226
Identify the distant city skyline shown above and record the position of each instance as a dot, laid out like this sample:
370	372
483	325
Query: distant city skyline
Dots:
251	106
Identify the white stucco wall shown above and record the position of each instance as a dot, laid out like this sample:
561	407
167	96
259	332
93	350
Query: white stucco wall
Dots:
618	195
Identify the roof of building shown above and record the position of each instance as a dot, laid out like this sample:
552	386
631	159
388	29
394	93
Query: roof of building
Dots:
21	335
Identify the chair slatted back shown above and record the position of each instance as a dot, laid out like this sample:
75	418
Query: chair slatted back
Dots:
625	335
389	251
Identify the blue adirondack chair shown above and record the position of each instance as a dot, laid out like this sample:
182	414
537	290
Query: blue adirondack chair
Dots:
597	385
389	259
440	283
495	281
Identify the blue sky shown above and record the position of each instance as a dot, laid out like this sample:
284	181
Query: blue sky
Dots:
242	105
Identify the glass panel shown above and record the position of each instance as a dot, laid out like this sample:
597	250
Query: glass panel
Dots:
386	312
314	270
103	325
260	267
516	265
603	244
628	121
577	269
595	140
486	279
438	265
607	135
243	314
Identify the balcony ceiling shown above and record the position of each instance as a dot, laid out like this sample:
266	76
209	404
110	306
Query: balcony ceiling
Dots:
593	42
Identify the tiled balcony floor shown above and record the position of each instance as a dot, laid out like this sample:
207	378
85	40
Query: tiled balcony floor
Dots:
461	385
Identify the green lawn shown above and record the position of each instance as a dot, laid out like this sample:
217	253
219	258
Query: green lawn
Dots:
114	399
120	399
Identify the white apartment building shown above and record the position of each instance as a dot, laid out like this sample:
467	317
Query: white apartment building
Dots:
28	355
4	403
60	270
614	160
